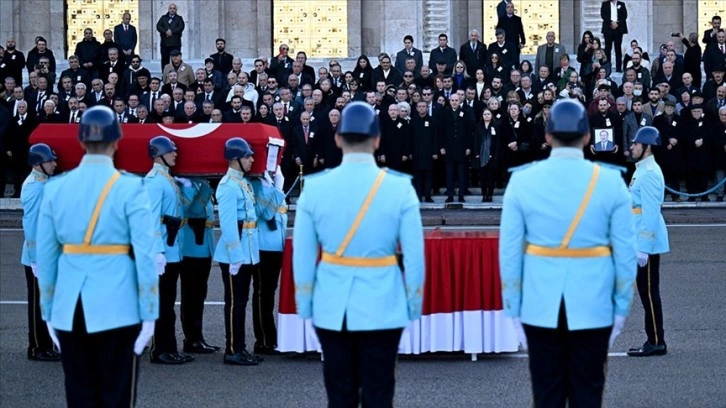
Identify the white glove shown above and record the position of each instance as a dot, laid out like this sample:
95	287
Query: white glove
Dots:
617	328
53	336
183	181
34	268
519	330
279	179
147	330
234	268
642	258
160	264
267	179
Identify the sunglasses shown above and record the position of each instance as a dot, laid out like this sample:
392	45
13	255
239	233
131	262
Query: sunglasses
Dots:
408	76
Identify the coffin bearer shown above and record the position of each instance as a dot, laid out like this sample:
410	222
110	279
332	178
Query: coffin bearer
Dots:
647	188
272	226
42	159
238	249
97	274
197	250
168	211
357	296
567	261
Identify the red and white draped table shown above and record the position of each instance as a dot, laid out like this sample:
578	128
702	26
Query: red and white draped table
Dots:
462	308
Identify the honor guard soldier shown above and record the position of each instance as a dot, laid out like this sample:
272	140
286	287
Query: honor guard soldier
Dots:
238	249
272	226
647	189
197	250
166	205
42	159
357	296
97	274
567	262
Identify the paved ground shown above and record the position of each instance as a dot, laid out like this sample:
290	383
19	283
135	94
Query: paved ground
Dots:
692	375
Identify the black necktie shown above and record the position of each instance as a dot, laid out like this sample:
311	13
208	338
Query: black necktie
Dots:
21	120
73	117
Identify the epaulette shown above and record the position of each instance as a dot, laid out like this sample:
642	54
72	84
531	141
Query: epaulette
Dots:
620	169
126	173
224	179
151	173
397	173
522	167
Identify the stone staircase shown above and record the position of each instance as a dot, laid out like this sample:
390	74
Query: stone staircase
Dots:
436	20
590	17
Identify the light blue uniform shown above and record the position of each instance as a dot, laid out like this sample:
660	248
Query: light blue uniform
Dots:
540	203
271	209
116	290
647	188
197	204
166	199
31	196
235	203
369	298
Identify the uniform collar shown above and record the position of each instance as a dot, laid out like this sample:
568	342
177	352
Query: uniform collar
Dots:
367	158
161	167
236	173
39	175
648	160
567	153
97	159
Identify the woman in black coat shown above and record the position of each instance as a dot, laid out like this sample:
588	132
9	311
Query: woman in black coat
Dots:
486	153
363	72
517	136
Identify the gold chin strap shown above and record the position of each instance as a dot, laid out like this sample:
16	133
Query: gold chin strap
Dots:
563	251
338	259
86	248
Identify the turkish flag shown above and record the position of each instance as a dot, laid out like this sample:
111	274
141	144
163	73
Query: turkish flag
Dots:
200	146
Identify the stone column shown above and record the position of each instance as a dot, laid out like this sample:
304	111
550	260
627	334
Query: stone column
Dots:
641	26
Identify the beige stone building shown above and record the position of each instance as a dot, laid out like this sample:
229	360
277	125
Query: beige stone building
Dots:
341	29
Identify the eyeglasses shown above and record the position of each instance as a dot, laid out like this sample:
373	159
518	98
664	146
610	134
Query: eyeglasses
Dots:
427	94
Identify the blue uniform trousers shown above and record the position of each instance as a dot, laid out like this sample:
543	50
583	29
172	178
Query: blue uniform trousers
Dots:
165	329
567	365
194	277
359	366
236	294
264	285
100	368
38	337
648	281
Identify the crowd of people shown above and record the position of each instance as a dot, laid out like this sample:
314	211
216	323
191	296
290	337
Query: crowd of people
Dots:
463	118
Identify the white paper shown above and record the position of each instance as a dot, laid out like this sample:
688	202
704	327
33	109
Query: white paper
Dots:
273	149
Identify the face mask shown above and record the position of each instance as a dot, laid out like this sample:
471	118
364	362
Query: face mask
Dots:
637	92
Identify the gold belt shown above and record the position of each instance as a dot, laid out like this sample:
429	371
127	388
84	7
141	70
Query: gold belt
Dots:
282	210
558	252
637	210
85	249
249	224
209	224
359	262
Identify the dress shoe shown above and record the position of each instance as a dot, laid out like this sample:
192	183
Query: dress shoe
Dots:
461	200
243	359
184	357
449	200
199	347
269	350
431	200
648	349
167	358
676	199
43	355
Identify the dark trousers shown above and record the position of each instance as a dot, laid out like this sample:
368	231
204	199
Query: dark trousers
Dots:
614	39
21	170
697	181
101	369
422	182
165	57
439	175
194	277
236	294
567	365
460	169
4	164
359	366
486	179
164	340
264	285
648	281
38	337
674	182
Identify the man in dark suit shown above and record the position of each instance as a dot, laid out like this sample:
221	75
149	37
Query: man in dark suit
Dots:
170	27
303	136
709	36
5	135
209	94
408	51
384	72
222	60
473	53
327	153
614	16
154	93
15	61
504	49
125	36
514	31
119	107
113	65
442	53
715	55
424	150
19	129
233	115
173	84
455	141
